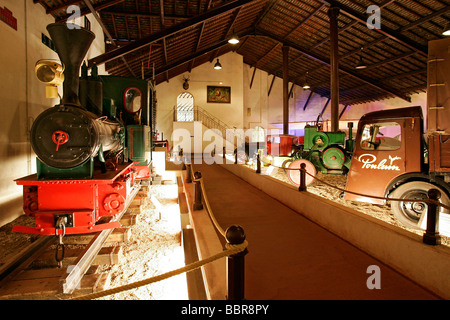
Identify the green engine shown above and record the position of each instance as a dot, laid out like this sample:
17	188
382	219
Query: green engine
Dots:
329	152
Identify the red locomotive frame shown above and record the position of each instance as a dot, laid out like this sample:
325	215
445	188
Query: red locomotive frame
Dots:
86	203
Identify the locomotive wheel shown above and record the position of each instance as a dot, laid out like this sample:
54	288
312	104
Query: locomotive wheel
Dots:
294	175
409	213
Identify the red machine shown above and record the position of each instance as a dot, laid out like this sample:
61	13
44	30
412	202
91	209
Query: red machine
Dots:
281	145
84	203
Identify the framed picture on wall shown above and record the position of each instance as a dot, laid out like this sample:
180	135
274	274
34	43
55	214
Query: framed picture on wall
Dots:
217	94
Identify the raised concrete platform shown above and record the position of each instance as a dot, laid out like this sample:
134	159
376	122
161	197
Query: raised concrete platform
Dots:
323	253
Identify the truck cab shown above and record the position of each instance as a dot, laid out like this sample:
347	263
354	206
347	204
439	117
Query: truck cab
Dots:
388	146
394	159
389	162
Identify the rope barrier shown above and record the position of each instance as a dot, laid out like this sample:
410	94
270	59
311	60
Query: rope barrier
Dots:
208	206
230	250
365	195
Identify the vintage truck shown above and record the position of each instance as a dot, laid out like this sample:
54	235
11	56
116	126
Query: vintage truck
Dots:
396	157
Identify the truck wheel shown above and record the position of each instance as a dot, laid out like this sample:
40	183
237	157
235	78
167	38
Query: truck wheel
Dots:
409	213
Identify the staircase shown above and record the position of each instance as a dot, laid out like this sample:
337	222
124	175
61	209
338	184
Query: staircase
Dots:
191	113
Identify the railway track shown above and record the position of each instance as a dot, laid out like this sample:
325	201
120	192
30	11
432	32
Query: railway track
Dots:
34	274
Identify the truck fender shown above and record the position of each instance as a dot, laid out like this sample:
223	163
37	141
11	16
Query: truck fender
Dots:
416	176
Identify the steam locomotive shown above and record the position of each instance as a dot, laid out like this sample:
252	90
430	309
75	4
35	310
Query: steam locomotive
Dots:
92	149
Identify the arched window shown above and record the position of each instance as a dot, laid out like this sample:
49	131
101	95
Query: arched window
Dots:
185	107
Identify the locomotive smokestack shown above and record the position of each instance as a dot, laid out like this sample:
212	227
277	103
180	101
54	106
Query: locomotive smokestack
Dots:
72	45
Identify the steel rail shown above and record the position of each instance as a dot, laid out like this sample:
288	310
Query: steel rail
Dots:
24	258
82	264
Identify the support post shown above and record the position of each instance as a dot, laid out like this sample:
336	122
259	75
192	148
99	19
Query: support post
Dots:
188	173
258	163
431	235
333	14
285	89
236	265
198	205
302	186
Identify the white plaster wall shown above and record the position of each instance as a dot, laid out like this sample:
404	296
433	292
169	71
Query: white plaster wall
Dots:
200	77
261	109
356	111
255	98
22	96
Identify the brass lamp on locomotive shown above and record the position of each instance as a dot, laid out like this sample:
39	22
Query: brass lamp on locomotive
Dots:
92	148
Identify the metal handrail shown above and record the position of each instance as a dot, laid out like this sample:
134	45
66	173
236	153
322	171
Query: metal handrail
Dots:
208	120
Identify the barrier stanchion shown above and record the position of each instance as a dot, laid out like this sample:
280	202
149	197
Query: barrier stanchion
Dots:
235	248
198	192
302	186
188	173
258	164
431	235
235	235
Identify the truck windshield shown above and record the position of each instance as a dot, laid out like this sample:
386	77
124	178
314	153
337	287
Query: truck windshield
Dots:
381	136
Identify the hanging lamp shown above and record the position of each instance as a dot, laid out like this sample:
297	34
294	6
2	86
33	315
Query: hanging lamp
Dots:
217	66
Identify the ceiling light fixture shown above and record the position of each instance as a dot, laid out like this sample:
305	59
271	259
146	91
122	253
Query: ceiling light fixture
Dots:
446	31
234	39
217	66
306	85
361	64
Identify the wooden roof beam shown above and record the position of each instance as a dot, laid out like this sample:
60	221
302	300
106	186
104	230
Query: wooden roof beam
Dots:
105	30
86	11
195	55
197	44
341	68
116	53
62	6
385	30
312	14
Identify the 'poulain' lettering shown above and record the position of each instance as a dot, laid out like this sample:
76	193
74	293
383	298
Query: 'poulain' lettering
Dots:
369	160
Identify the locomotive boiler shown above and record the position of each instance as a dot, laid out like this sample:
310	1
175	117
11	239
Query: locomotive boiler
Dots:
92	148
